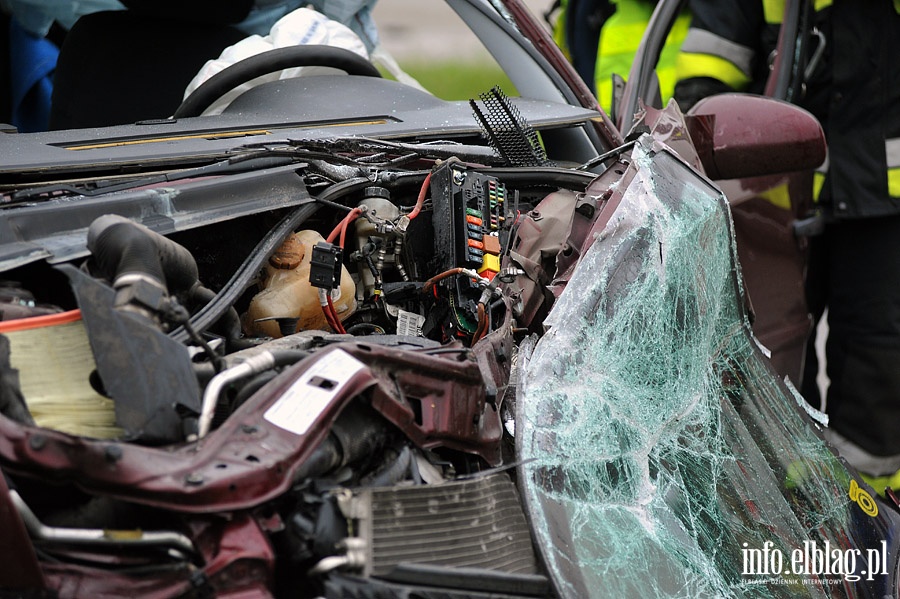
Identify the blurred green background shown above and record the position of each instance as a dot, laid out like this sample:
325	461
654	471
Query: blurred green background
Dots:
459	80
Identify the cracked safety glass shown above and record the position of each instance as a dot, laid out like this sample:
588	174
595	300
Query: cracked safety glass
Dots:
660	450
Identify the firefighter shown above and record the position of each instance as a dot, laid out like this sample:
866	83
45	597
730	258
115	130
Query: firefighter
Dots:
601	38
853	87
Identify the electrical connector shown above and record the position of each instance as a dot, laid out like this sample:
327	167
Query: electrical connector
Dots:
325	266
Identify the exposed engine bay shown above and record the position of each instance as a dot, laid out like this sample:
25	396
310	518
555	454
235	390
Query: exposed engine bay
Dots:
357	347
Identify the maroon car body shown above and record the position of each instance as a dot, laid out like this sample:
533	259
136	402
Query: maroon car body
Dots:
387	451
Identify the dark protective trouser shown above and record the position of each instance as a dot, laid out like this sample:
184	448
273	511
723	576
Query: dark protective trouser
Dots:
584	22
855	272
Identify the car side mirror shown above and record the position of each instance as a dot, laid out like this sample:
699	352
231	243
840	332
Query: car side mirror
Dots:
743	135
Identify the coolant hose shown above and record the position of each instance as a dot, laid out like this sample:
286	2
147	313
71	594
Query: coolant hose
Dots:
122	247
395	472
230	323
359	432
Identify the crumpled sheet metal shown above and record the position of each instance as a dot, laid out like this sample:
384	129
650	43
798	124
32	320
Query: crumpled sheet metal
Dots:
656	440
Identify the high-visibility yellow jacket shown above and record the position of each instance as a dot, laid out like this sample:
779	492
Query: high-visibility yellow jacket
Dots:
620	37
854	89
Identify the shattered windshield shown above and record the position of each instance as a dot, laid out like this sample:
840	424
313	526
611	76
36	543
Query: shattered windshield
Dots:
663	456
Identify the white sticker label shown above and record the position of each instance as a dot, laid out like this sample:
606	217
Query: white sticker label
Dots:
410	323
312	393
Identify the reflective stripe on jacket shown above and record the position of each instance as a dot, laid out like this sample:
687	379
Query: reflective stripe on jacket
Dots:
854	90
619	41
620	38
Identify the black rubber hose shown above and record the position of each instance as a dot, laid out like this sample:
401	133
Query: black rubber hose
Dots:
12	403
288	357
358	433
270	62
283	357
120	246
324	458
230	323
252	386
395	472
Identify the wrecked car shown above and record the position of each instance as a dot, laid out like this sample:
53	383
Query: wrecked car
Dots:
316	346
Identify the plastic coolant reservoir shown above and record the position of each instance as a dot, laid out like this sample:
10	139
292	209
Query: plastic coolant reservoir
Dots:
287	292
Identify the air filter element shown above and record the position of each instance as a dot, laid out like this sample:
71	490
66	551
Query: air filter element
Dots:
54	360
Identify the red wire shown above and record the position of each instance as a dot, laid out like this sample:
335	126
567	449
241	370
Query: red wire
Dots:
438	277
354	214
337	326
329	318
341	227
481	329
421	199
329	310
